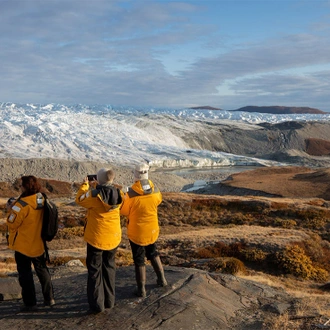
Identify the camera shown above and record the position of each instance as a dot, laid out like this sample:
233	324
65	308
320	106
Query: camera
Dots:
92	177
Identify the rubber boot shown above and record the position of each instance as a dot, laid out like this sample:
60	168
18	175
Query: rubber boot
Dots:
140	275
158	268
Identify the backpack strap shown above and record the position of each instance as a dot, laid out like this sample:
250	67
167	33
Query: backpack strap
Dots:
40	199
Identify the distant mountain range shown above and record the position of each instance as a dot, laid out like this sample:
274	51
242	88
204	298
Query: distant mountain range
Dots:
205	107
279	110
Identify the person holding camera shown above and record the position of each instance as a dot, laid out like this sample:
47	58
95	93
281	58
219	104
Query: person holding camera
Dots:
140	207
102	199
24	226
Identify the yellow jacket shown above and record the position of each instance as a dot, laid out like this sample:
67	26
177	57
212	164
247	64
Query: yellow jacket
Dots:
102	227
24	225
140	207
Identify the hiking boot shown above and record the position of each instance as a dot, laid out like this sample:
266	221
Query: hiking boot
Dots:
25	308
109	304
140	275
158	268
49	303
95	311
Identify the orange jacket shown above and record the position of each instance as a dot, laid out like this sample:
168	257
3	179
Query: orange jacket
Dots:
102	227
24	225
140	206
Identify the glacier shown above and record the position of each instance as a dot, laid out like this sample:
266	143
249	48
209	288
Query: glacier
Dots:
124	135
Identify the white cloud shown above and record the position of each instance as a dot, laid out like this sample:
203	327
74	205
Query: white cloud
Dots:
159	53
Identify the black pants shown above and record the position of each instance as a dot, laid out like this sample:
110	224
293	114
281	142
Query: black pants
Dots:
101	278
141	252
25	277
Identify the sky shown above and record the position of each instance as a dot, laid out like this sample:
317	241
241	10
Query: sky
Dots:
177	54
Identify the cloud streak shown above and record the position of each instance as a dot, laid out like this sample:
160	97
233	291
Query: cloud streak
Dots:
159	53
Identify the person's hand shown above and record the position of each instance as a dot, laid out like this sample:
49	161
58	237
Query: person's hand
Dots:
93	183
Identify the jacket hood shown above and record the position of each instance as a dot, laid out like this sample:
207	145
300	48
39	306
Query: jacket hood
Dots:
35	201
143	187
110	195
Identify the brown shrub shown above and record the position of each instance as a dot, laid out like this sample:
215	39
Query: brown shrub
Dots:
70	222
284	223
59	261
293	260
253	255
68	233
315	223
234	266
231	266
205	253
235	249
318	250
3	228
307	214
8	260
220	249
124	258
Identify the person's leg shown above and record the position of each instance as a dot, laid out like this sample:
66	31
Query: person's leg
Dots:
25	278
153	255
138	253
95	292
42	272
109	277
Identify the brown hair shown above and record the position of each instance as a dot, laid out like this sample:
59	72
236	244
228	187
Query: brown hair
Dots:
110	175
30	184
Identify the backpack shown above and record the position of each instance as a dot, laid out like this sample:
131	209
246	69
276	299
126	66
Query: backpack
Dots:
50	220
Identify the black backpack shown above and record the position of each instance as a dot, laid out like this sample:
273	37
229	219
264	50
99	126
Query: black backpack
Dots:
50	220
49	223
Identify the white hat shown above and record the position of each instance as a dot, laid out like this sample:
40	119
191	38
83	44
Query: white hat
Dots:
141	172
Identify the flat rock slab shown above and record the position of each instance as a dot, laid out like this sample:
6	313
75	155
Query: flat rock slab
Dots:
9	289
194	299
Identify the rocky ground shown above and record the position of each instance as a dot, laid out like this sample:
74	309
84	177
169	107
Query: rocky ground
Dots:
193	300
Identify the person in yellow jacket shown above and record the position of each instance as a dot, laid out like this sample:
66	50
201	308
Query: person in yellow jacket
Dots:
140	207
102	199
24	226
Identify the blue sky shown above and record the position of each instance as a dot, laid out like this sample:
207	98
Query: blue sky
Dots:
226	54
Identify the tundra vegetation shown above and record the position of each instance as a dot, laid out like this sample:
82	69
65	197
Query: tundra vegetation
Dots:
283	242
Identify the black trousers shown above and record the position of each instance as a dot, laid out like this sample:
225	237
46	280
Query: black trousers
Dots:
25	277
141	252
101	268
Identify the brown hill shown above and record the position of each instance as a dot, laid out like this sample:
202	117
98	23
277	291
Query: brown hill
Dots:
50	187
292	182
204	107
317	147
279	109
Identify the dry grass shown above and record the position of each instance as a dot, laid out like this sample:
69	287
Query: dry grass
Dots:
234	234
6	267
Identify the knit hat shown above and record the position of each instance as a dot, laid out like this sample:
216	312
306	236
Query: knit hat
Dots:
141	172
103	176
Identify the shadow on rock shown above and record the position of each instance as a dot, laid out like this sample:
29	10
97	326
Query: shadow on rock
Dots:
194	299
